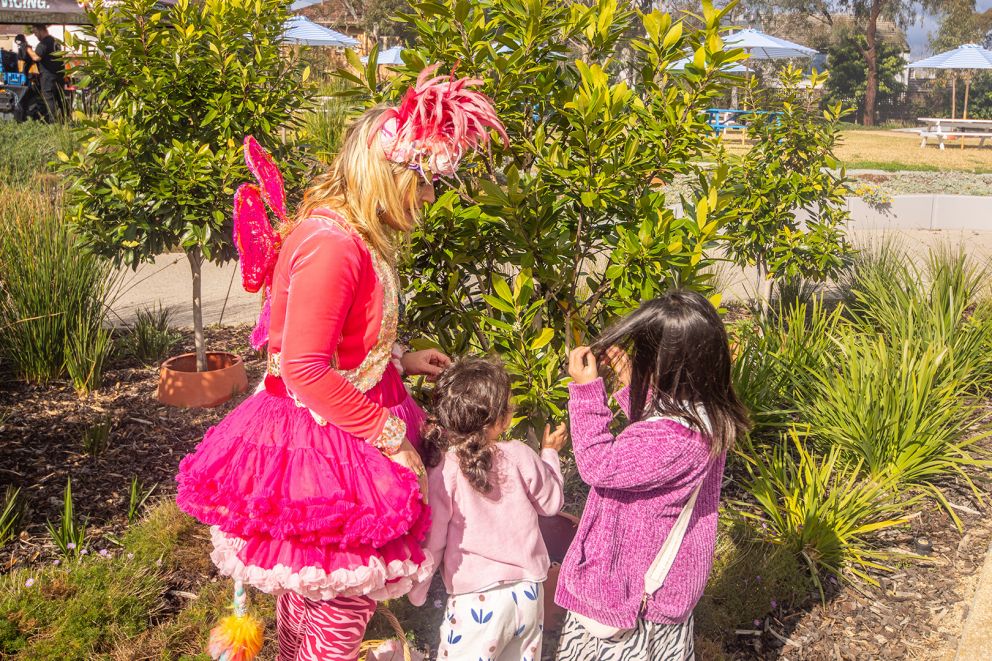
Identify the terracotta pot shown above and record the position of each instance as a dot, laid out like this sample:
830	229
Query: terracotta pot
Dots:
179	384
558	533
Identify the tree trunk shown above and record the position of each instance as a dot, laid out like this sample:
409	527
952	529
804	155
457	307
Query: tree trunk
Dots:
954	96
195	257
763	289
871	59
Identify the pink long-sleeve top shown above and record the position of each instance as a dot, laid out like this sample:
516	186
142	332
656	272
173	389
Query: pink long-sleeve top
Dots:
641	479
327	312
486	540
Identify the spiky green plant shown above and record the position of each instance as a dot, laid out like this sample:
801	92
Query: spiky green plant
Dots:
895	413
822	508
151	335
12	514
70	535
138	497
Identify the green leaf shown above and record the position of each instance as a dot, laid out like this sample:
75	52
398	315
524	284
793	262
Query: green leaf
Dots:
543	339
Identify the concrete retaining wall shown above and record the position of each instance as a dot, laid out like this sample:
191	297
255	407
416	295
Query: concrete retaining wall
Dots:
924	212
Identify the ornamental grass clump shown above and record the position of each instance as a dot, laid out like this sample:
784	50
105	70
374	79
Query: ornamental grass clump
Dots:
54	297
897	411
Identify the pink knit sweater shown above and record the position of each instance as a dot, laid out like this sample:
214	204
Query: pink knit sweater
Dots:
485	540
640	481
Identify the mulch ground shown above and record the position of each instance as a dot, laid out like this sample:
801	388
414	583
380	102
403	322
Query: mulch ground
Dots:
42	430
915	613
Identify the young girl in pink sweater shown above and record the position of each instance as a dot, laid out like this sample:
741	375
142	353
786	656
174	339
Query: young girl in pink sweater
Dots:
672	360
486	496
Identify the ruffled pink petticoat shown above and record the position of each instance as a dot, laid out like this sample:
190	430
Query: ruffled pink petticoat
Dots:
298	506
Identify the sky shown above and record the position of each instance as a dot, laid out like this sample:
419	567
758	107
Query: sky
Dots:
919	34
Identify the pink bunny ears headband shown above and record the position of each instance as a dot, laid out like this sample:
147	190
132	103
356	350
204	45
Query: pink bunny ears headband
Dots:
438	121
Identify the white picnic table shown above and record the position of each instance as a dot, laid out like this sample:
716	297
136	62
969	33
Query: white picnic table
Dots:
942	128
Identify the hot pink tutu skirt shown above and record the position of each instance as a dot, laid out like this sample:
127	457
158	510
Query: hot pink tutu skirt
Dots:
298	506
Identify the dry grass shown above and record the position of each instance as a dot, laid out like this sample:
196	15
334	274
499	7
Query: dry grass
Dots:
895	151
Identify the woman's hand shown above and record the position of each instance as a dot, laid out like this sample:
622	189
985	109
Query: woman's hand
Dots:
554	440
620	364
407	456
429	362
582	365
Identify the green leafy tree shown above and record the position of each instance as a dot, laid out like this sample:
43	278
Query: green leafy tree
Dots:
543	240
960	24
179	89
789	215
866	15
848	81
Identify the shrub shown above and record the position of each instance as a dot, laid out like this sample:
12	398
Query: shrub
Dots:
820	508
933	303
570	208
54	297
790	208
96	438
29	149
138	496
776	356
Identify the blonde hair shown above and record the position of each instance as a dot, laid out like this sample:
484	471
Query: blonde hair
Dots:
378	198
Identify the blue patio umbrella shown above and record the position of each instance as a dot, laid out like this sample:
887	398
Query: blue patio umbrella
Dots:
967	57
388	58
301	30
761	46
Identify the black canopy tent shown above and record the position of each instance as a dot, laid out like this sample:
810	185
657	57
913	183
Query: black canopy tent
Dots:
51	12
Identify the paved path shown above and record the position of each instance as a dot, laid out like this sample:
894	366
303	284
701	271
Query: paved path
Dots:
976	636
168	282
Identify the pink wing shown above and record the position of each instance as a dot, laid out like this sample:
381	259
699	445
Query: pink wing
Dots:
268	175
257	242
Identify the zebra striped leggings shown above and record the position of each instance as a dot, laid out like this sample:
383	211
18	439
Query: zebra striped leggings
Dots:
321	630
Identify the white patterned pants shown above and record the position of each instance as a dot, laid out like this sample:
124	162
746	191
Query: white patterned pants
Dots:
650	641
501	624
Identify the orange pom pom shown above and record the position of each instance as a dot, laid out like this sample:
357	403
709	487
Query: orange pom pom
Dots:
236	638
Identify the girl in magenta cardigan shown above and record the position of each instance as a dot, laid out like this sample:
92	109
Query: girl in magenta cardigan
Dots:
672	358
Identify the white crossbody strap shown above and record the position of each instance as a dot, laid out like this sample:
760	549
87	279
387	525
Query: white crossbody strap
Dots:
658	571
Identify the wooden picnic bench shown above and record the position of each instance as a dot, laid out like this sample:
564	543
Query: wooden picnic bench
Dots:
942	128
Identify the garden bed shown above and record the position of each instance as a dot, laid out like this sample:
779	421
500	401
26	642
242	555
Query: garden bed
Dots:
917	611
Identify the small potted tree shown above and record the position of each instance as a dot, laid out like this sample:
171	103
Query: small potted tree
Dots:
179	89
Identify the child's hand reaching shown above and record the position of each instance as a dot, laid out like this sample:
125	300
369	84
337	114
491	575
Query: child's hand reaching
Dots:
554	440
620	364
582	365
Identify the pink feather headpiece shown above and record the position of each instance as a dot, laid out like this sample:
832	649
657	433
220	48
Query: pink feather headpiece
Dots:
439	120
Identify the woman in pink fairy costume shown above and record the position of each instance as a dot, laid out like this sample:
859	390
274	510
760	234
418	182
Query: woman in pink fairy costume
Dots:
313	486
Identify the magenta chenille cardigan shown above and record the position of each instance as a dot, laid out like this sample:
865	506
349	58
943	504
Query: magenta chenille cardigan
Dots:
639	480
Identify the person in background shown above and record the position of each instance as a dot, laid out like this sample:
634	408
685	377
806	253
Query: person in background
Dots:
24	61
52	70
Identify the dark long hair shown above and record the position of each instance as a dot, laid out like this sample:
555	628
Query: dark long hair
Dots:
471	396
680	365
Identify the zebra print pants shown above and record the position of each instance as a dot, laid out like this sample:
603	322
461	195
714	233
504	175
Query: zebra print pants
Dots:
321	630
648	642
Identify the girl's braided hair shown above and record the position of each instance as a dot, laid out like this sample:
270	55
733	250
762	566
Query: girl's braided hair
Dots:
470	397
